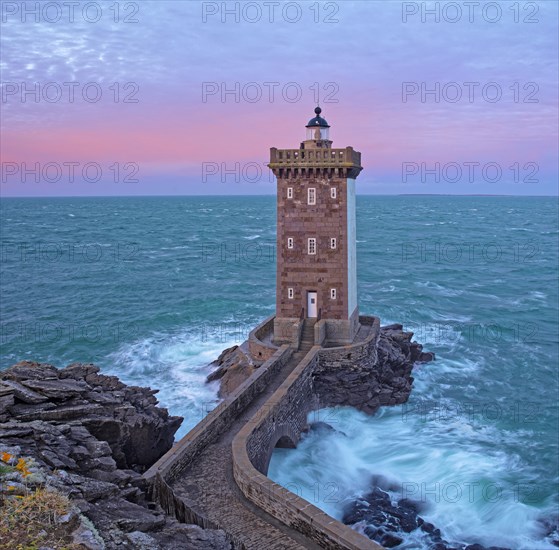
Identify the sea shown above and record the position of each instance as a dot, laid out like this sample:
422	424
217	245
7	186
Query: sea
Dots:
152	289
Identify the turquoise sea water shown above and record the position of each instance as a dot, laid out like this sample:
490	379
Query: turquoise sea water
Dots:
152	289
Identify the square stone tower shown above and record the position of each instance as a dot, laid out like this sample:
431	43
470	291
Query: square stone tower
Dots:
316	258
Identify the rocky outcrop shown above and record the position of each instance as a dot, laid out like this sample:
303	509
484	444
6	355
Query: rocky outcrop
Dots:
387	522
91	437
64	410
234	366
383	378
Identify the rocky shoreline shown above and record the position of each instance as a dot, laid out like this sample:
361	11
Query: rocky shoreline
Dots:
387	522
389	383
90	437
377	515
384	518
370	385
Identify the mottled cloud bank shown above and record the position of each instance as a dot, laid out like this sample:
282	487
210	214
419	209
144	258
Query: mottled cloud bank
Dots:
187	97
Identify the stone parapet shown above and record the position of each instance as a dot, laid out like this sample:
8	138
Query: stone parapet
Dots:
374	370
287	330
218	421
308	162
284	416
260	343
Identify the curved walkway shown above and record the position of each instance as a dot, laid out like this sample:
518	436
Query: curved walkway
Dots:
210	479
208	487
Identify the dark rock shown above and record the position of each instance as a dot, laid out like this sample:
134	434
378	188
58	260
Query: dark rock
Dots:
390	540
95	436
133	494
376	509
235	366
117	477
79	453
22	393
25	370
78	371
191	537
105	463
396	327
25	412
83	487
550	526
384	380
125	516
428	527
14	430
7	398
385	522
407	518
125	417
57	460
226	360
57	389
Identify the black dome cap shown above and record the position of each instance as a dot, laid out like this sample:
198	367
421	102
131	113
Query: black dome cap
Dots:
317	121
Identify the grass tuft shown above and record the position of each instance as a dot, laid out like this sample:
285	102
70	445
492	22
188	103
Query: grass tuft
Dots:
29	521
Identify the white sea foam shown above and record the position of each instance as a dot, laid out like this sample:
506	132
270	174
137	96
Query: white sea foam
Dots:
439	289
179	364
464	481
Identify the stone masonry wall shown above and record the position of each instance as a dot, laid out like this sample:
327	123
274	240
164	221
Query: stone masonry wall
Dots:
262	351
328	267
168	467
285	415
367	374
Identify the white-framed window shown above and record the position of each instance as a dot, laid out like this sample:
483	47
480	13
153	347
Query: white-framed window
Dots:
290	192
332	294
311	195
332	192
290	293
333	243
312	245
290	242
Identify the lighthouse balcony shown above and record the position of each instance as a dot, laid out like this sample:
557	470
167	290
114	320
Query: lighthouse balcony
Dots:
300	158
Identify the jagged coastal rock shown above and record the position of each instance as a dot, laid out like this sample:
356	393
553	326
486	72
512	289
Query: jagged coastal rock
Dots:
90	436
234	366
388	383
386	520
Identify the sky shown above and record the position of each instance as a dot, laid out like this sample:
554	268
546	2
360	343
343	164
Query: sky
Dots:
186	97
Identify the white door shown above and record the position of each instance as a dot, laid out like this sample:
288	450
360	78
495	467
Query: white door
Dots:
312	305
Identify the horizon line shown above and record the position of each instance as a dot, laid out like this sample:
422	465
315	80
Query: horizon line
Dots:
269	195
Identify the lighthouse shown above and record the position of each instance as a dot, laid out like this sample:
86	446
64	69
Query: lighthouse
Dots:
316	251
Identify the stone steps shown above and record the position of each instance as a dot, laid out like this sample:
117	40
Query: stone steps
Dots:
307	335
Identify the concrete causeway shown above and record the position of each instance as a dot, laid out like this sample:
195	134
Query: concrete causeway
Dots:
216	475
208	485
